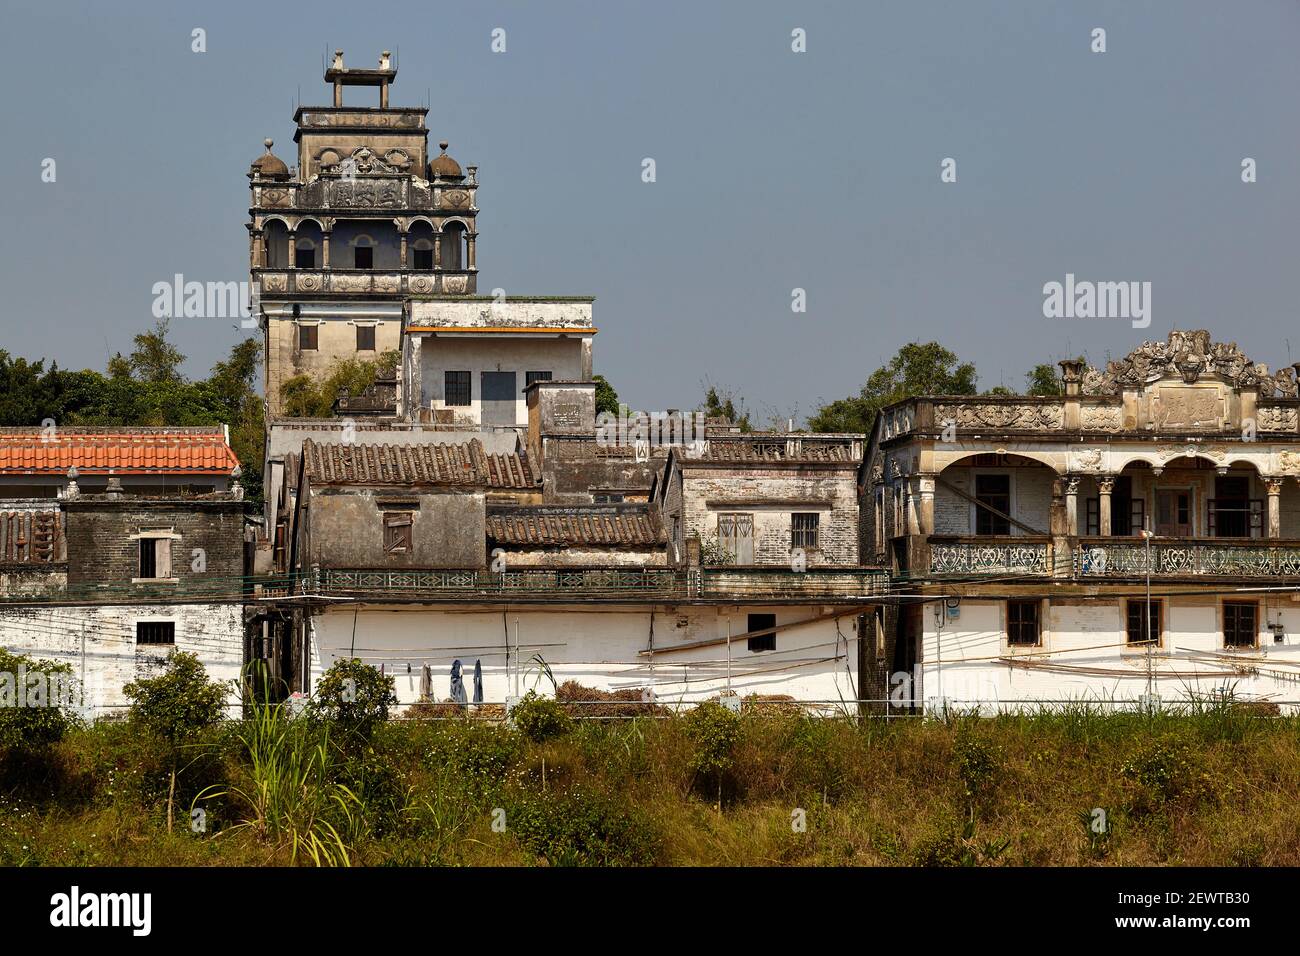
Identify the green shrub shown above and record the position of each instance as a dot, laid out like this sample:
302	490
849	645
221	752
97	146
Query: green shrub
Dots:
580	828
49	695
178	703
478	756
540	718
354	697
713	731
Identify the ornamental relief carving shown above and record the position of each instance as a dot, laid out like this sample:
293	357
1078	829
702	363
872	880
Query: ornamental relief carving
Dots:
309	281
455	285
1167	452
1277	419
1101	418
421	284
276	198
273	282
1033	417
455	198
1189	355
1290	462
1088	460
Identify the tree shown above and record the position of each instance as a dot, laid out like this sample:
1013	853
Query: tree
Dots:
606	397
1044	380
155	359
175	707
725	403
304	397
917	369
354	696
37	701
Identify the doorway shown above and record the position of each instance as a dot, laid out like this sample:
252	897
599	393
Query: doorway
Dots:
499	398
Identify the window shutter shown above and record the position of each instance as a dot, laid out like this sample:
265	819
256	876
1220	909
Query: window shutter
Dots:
164	557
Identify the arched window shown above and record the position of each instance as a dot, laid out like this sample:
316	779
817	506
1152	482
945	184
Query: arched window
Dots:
453	243
363	252
276	238
307	244
420	244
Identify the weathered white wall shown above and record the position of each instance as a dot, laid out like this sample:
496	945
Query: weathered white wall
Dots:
99	642
598	647
1089	633
708	492
497	353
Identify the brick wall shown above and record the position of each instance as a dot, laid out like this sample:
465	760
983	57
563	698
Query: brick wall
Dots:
102	551
834	492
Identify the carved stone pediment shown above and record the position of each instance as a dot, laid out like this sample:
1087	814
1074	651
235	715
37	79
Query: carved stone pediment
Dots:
1190	356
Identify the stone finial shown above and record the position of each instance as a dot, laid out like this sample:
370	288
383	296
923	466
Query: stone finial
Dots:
72	490
114	486
268	143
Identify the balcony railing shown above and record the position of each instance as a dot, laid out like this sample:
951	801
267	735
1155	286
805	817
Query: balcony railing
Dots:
1112	557
604	583
967	556
1196	557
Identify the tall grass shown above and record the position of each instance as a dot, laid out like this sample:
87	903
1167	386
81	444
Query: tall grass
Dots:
290	796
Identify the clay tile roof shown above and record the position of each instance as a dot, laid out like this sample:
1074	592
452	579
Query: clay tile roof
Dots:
464	464
124	451
560	526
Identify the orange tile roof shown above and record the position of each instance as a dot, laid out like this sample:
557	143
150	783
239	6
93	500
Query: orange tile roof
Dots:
125	451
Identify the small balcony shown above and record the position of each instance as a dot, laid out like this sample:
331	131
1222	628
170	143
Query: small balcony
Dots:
276	282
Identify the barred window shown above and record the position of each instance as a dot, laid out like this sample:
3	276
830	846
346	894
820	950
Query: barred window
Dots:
1022	623
365	338
530	377
456	388
1239	624
307	338
155	632
803	530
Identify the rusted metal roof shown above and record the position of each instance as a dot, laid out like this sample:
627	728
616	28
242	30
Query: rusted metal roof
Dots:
31	537
124	451
560	526
465	464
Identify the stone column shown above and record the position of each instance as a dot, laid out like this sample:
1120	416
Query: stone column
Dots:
325	250
1072	507
469	250
437	251
925	504
293	247
1105	486
1274	486
402	254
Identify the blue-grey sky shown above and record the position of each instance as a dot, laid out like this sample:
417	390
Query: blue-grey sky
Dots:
775	170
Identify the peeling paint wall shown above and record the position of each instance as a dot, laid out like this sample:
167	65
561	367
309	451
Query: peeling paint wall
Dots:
99	642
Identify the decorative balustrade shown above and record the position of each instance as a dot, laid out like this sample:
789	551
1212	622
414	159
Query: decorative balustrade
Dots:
353	281
977	556
1258	558
607	583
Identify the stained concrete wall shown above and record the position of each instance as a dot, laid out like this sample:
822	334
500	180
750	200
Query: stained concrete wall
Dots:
99	642
598	647
1088	632
347	528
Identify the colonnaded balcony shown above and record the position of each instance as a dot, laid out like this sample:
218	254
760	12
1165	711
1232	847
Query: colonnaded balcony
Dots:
599	584
1011	515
